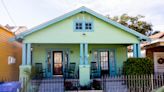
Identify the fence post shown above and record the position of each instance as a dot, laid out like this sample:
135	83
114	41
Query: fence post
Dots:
152	81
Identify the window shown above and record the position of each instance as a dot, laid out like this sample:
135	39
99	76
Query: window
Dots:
88	26
104	60
11	60
83	26
78	26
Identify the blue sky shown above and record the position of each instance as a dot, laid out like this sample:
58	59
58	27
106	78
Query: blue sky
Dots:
34	12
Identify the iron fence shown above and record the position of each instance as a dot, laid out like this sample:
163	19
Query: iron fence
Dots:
132	83
120	83
47	85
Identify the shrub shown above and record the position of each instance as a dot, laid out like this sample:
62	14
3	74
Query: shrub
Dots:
138	66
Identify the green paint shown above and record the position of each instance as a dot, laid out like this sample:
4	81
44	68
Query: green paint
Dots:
40	52
63	32
121	53
84	71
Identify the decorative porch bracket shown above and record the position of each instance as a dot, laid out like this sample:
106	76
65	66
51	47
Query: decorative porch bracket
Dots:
136	50
84	67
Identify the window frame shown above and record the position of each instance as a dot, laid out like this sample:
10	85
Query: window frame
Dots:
89	30
111	68
83	26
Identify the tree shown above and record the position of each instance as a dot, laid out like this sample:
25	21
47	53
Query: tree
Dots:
134	22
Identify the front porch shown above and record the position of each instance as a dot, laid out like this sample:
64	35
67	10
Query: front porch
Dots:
83	61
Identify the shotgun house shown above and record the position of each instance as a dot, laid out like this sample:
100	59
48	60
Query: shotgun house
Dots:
81	42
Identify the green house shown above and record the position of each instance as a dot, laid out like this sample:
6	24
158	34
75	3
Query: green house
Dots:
81	42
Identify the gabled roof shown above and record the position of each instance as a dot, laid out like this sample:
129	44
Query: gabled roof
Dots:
83	9
6	29
157	35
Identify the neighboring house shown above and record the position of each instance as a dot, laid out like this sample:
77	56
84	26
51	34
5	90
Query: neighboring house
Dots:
16	29
10	56
156	38
142	51
81	36
155	51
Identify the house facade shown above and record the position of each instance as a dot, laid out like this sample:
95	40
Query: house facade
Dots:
81	37
155	51
10	56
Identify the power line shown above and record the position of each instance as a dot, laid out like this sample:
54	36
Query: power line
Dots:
8	13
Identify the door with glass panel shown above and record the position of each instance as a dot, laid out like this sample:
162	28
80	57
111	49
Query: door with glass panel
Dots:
57	62
95	69
104	62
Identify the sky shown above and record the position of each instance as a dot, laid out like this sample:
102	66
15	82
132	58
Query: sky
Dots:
31	13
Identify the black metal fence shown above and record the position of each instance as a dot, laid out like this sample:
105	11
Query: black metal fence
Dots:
47	85
121	83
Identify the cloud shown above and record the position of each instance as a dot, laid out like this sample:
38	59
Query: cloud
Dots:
34	12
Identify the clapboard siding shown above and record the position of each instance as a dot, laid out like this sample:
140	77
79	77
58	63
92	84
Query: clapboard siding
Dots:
9	72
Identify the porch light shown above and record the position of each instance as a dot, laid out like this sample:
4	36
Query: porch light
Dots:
31	49
84	34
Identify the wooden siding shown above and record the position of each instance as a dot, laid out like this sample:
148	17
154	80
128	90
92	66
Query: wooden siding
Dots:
150	51
63	33
9	72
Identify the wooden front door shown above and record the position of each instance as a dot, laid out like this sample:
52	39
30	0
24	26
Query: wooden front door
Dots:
57	62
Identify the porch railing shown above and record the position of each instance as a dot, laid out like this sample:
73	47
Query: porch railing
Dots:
120	83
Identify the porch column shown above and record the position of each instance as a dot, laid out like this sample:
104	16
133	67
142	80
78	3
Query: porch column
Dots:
24	54
84	67
23	76
81	53
136	50
86	53
29	54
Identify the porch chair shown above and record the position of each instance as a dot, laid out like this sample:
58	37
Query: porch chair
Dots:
71	70
94	70
40	72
